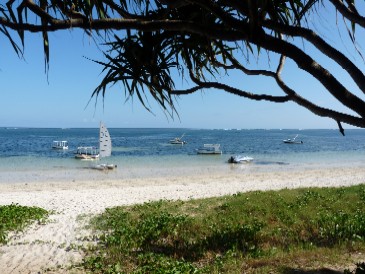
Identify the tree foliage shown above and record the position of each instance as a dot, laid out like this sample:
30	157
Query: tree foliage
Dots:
150	42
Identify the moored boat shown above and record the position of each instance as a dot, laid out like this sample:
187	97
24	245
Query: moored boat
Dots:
178	141
87	153
209	149
104	166
292	141
60	145
105	148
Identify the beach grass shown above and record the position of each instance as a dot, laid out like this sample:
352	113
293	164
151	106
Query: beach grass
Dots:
282	231
15	217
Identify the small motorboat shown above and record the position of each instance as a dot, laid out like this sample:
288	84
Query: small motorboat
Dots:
238	159
292	141
178	141
104	166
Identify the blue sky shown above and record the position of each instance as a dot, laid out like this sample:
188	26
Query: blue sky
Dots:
30	99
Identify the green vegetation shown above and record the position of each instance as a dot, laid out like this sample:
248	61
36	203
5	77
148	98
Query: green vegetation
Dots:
257	232
15	217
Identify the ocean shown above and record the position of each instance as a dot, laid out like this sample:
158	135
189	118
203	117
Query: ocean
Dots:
147	152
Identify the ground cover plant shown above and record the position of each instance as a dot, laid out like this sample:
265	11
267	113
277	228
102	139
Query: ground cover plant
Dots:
279	231
15	217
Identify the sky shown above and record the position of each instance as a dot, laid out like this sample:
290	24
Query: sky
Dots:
61	99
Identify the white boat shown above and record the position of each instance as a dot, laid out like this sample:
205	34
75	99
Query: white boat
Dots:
178	141
87	153
94	153
209	149
105	142
105	148
237	159
293	141
60	145
104	166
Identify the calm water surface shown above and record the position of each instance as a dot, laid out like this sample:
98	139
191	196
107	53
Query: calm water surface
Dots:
143	151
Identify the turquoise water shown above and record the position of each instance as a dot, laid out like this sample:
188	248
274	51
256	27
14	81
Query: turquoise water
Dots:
141	150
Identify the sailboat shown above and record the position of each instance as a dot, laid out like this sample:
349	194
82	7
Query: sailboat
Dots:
94	153
105	147
105	142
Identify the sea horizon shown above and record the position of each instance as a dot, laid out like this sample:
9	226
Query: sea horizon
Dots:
173	128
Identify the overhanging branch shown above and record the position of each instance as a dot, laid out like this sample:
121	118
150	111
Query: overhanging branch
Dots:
238	92
224	21
349	13
355	73
306	63
320	111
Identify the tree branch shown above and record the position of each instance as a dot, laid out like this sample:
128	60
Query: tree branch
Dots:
355	73
238	92
320	111
219	23
37	10
349	13
180	26
306	63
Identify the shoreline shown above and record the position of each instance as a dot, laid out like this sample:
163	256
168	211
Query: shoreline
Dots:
53	244
193	185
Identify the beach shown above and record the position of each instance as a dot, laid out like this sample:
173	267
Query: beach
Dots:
53	246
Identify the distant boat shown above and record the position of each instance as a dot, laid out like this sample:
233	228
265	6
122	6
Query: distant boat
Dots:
237	159
178	141
209	149
60	145
105	147
104	166
87	153
105	142
293	141
94	153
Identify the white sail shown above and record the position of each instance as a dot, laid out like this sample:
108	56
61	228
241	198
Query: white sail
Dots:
105	146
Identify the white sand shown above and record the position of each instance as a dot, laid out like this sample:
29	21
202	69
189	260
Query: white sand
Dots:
52	245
